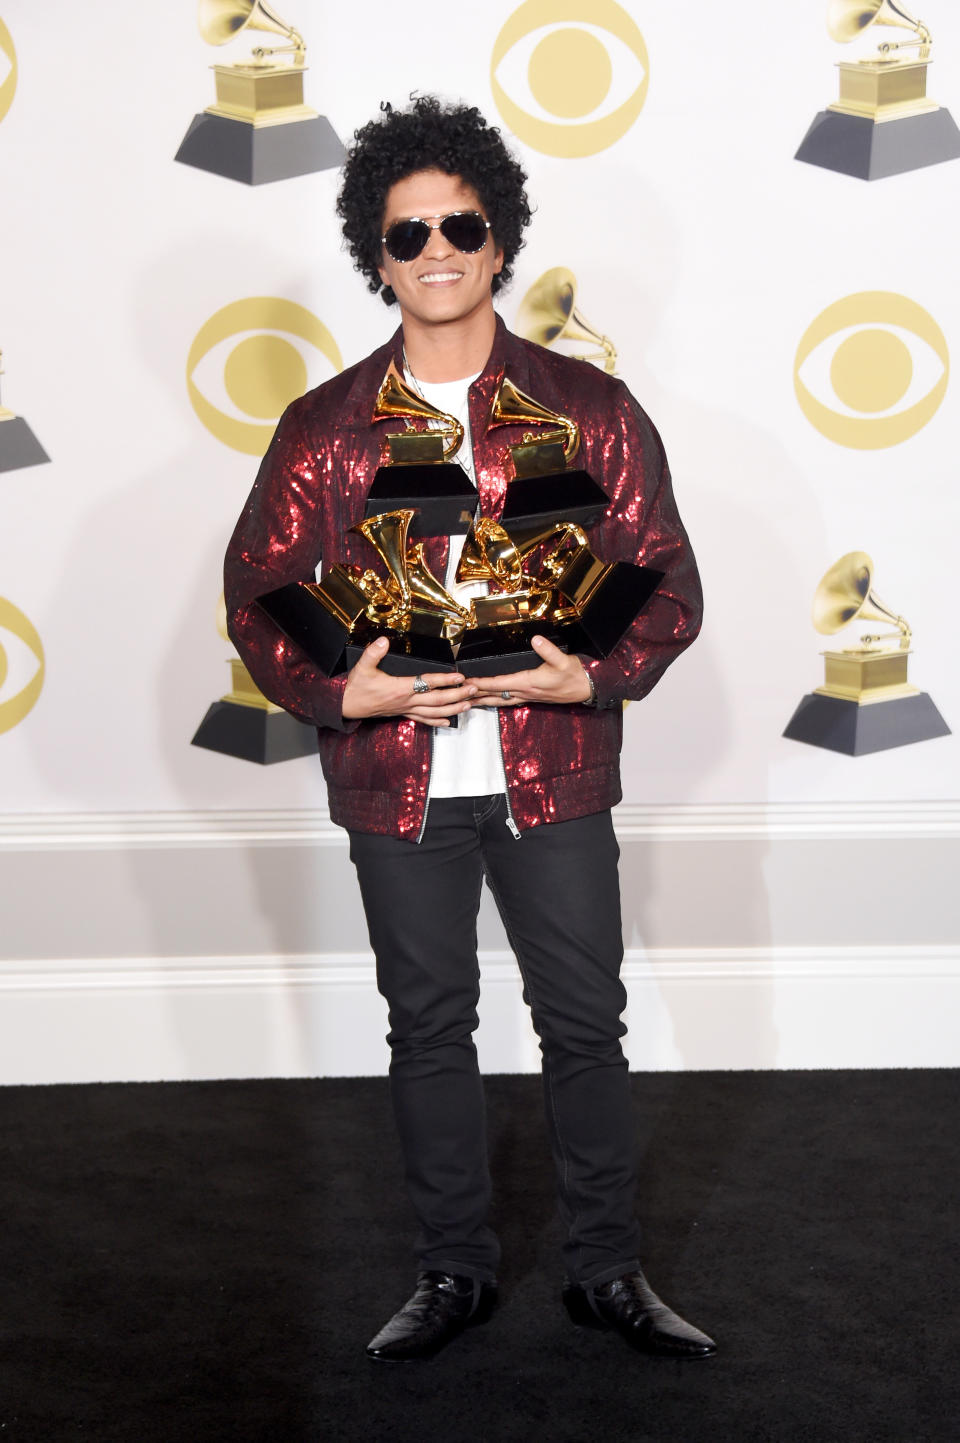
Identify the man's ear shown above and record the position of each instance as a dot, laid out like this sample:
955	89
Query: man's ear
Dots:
498	262
383	275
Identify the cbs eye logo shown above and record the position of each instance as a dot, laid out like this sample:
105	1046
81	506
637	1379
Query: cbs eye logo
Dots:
885	361
257	376
578	71
22	666
8	70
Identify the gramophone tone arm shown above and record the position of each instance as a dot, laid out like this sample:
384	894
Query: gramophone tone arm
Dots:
903	636
297	48
922	45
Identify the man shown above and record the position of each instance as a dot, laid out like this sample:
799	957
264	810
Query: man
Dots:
520	792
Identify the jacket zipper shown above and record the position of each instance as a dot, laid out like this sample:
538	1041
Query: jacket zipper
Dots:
426	800
511	821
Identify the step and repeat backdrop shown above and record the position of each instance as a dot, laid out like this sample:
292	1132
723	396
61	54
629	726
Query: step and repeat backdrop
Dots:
171	275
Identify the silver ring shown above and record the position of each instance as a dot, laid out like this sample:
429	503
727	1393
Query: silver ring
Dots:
419	685
505	695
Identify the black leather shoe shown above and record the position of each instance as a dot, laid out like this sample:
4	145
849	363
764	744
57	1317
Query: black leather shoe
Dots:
631	1307
442	1306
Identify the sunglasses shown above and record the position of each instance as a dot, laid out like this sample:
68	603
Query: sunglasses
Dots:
464	229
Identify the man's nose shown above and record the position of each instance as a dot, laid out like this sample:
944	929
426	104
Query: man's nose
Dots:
437	247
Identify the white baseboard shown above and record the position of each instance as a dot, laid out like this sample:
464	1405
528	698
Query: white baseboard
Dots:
209	1017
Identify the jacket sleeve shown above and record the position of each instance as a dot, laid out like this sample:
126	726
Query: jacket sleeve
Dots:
643	526
278	540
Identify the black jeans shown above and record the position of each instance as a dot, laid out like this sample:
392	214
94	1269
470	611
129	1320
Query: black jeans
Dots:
557	891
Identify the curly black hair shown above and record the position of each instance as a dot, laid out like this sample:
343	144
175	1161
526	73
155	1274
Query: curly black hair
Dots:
429	135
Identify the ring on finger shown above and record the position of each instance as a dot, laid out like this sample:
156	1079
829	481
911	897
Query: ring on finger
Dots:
419	686
506	695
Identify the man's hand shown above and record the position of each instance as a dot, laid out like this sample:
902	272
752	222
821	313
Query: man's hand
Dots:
560	678
372	692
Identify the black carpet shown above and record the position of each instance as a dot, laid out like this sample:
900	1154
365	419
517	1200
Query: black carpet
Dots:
205	1262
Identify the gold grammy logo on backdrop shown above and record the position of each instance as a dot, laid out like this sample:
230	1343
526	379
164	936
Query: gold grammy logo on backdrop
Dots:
243	724
259	129
19	447
8	70
872	370
548	314
15	663
262	373
569	77
866	703
884	123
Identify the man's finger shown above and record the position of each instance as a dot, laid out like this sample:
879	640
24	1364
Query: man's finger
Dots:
550	654
437	680
372	655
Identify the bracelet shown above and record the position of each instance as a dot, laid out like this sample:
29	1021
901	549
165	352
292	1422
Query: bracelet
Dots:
591	700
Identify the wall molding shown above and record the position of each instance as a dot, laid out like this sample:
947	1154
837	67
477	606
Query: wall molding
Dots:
149	1019
733	821
498	968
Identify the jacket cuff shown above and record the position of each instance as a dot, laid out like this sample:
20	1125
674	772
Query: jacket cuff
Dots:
604	679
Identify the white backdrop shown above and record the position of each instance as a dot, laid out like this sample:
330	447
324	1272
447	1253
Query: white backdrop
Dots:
699	245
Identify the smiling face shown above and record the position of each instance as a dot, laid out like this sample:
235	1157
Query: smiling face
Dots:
442	284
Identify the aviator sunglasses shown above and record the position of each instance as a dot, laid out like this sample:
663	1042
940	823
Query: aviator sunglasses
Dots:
464	229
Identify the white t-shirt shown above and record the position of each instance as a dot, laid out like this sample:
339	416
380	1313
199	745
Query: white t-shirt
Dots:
467	761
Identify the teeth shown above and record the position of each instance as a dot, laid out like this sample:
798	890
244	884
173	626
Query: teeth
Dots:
436	276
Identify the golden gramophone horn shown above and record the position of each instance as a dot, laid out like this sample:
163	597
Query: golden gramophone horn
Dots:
221	20
387	534
548	313
511	406
424	587
846	593
395	400
846	19
489	555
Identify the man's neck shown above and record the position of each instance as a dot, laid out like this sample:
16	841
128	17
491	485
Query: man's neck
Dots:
450	350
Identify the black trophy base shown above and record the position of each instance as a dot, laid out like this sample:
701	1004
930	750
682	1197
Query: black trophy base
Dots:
564	496
843	726
496	650
19	447
871	150
612	610
441	494
254	735
409	654
259	154
307	621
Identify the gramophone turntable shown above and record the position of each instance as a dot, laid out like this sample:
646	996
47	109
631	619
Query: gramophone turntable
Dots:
866	703
259	129
883	123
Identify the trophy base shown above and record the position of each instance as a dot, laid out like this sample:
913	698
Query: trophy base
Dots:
19	447
442	496
564	496
844	726
873	149
409	654
257	155
608	614
302	617
496	650
253	734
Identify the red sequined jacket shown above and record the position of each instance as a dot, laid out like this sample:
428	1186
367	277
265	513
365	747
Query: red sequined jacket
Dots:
560	761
